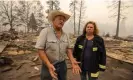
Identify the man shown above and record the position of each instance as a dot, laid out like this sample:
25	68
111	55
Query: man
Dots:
53	45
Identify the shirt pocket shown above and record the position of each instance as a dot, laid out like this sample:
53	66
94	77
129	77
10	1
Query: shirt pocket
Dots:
52	45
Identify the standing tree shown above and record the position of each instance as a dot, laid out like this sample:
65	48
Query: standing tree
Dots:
32	23
120	7
52	5
38	13
23	11
118	19
7	13
81	14
73	9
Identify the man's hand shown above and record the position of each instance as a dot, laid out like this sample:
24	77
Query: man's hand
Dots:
75	67
52	71
44	58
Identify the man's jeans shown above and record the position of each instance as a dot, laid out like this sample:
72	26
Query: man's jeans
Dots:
84	76
61	70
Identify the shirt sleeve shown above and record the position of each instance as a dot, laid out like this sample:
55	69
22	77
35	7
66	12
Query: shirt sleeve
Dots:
102	61
70	45
41	41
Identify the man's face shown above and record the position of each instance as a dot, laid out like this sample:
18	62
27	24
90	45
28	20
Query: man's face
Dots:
59	21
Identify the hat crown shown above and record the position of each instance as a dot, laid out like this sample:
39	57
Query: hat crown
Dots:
55	13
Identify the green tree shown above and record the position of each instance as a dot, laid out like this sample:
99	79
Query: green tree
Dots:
52	5
32	23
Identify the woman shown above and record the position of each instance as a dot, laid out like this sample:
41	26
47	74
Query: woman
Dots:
89	49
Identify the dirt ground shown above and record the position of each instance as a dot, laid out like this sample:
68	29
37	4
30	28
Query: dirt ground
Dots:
25	68
26	64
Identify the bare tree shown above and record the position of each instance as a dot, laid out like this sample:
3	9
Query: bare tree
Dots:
73	9
118	19
81	15
119	13
7	13
23	11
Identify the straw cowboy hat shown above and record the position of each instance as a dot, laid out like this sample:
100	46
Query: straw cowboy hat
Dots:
55	13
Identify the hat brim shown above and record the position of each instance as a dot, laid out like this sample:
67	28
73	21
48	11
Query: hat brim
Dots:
55	13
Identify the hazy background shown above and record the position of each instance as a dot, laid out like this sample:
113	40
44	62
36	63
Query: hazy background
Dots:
97	10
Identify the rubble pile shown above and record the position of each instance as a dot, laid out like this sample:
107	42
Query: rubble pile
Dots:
7	36
20	56
24	45
119	49
22	62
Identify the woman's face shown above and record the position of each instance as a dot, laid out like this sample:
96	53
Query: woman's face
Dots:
90	29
